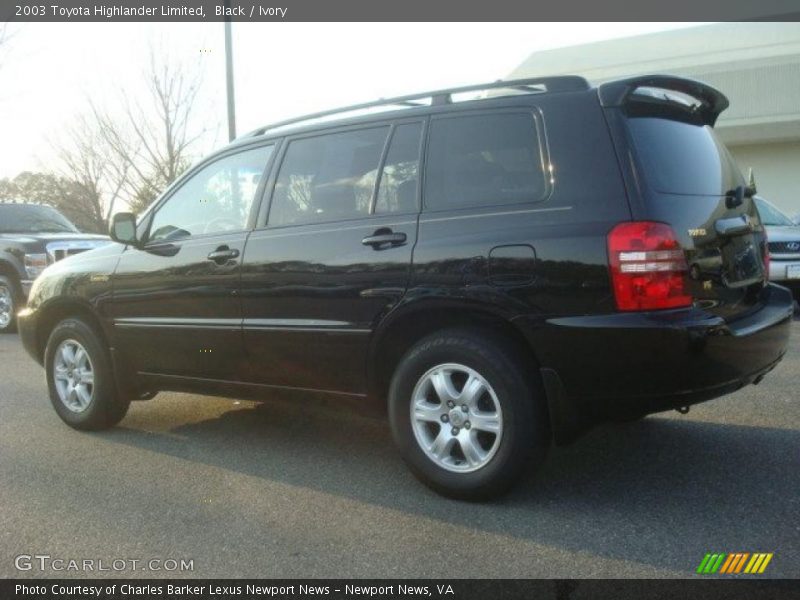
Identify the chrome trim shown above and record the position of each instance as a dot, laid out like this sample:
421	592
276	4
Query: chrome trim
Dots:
249	384
178	323
321	325
301	325
493	214
59	250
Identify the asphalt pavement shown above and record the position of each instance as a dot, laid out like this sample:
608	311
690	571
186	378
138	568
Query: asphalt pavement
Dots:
295	487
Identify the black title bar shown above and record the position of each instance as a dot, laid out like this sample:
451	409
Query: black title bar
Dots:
387	589
407	10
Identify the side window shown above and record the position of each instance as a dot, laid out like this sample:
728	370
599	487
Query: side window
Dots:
397	191
216	199
484	160
327	178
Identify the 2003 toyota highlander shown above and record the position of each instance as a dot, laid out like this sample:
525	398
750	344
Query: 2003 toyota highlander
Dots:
502	270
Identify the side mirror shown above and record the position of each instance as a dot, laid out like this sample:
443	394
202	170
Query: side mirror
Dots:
123	228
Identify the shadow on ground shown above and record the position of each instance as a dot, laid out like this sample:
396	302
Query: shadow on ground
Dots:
619	492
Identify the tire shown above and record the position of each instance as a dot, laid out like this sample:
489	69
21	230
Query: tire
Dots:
100	406
9	302
509	393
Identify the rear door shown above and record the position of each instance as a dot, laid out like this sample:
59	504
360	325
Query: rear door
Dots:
333	257
688	179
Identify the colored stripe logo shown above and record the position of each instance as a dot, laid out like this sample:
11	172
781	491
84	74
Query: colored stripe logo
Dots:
735	563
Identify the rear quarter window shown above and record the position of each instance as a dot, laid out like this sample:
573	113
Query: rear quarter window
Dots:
484	160
683	158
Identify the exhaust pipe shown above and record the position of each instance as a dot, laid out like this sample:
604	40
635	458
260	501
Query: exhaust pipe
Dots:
683	410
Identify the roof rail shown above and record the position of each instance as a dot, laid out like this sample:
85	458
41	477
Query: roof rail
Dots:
565	83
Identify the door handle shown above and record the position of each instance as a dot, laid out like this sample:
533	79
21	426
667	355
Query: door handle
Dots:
384	239
223	254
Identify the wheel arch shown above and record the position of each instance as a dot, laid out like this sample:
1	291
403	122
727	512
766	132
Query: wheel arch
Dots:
7	269
408	324
53	313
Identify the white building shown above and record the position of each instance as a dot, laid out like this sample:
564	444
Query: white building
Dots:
756	65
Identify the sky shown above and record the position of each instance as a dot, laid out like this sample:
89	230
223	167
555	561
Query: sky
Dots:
49	71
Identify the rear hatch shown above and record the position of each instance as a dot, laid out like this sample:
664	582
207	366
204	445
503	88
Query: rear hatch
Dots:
688	180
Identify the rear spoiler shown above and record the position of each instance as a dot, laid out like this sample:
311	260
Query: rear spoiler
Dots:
618	93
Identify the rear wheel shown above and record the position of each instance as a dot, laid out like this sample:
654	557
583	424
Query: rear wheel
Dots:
9	295
80	378
467	415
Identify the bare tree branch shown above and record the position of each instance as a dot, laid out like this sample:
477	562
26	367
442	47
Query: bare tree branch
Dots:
151	138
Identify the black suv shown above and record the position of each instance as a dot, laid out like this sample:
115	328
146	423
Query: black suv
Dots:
32	236
501	271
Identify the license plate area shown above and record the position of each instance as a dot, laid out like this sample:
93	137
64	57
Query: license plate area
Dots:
793	272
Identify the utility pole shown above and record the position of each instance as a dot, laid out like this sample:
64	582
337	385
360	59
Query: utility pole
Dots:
229	75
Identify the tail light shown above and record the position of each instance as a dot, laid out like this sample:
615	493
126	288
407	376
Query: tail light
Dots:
648	267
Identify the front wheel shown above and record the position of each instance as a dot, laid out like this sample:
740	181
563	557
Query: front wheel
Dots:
80	379
467	414
8	304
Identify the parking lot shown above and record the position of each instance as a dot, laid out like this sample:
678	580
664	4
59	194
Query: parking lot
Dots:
299	489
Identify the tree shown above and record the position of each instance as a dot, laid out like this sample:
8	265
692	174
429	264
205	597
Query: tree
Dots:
62	193
150	140
83	162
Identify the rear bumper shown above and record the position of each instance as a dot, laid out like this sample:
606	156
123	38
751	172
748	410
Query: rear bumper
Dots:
778	269
624	364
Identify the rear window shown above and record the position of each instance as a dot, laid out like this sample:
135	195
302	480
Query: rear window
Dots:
683	158
484	160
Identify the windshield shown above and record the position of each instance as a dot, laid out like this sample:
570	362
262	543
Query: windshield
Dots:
680	157
30	218
771	216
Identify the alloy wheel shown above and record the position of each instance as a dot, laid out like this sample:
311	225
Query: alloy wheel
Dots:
456	418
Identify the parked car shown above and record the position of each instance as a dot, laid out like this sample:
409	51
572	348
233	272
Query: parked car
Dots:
501	272
784	245
33	236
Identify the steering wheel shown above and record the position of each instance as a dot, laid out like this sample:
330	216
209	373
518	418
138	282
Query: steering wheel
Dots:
219	224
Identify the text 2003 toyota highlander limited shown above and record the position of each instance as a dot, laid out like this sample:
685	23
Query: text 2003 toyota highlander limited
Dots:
501	271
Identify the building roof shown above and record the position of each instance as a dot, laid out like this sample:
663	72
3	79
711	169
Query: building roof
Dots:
756	65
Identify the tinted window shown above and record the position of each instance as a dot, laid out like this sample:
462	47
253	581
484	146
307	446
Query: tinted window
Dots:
216	199
28	218
397	191
482	161
683	158
328	178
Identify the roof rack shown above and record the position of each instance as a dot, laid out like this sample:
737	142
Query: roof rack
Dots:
566	83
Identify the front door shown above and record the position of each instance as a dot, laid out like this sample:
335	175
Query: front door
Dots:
335	255
176	310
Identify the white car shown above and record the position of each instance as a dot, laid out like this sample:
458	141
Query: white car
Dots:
784	244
